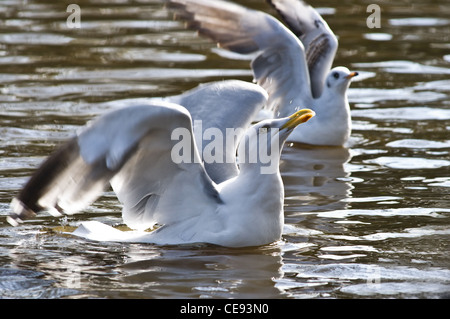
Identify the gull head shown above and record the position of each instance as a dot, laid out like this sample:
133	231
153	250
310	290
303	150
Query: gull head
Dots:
276	131
265	140
339	79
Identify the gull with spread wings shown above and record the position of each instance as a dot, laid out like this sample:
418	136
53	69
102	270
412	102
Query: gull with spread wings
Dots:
292	64
132	149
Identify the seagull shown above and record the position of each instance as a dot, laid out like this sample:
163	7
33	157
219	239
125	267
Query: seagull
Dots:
136	149
293	66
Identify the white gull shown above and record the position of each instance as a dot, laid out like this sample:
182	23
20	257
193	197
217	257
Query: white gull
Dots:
132	148
292	66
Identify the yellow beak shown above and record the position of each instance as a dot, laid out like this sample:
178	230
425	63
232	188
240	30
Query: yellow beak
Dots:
298	117
352	75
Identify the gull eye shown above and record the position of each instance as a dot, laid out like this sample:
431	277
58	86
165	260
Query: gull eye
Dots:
336	75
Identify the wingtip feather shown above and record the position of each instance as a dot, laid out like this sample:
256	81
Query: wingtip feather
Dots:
20	212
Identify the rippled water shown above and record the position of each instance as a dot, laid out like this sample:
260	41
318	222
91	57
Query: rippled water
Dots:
368	221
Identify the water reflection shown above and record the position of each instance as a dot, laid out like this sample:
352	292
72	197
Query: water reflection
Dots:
146	271
316	177
206	272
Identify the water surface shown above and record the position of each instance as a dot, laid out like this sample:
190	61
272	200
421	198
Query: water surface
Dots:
371	220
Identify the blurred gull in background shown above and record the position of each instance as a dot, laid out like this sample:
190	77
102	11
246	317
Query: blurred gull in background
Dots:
292	65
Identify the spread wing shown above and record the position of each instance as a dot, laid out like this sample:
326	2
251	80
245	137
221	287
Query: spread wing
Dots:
317	37
224	108
132	147
280	63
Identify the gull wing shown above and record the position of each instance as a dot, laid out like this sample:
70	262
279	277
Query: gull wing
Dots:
224	108
132	148
317	37
280	63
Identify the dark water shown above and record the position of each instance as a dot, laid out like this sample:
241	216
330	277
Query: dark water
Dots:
368	221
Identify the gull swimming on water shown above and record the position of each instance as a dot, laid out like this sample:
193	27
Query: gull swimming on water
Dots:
135	149
292	66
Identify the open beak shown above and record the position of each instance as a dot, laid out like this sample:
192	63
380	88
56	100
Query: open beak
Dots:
297	118
351	75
